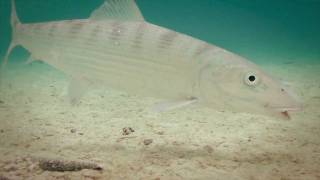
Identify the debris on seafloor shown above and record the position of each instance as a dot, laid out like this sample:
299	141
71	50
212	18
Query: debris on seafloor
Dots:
3	177
147	142
126	137
2	105
160	132
66	165
127	130
208	149
73	130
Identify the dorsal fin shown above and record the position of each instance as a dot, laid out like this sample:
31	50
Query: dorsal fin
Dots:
125	10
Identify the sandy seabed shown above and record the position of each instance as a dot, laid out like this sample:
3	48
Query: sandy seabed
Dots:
120	133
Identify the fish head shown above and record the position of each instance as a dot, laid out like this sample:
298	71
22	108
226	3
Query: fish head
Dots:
238	85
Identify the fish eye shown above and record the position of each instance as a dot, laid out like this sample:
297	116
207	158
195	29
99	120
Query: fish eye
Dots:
251	79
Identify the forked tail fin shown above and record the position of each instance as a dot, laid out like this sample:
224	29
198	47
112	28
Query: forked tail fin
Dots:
14	18
15	23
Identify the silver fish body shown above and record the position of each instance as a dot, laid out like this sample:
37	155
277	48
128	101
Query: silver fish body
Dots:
118	48
137	57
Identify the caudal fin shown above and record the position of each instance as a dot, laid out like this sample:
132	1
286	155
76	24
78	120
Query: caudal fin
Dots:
15	23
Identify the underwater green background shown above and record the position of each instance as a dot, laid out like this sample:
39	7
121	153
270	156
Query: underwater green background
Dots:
276	31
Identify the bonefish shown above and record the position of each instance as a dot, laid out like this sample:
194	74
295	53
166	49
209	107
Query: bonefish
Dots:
116	47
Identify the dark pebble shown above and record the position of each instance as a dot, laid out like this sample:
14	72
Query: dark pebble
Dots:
208	148
3	177
127	130
147	142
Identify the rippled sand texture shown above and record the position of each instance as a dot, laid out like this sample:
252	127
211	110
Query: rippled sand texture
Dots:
121	133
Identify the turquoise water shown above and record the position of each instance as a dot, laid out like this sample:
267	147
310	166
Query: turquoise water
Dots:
263	31
122	132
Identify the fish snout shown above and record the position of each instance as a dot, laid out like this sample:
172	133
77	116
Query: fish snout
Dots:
285	111
286	102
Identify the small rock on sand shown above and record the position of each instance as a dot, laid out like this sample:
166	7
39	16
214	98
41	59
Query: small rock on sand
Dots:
147	142
127	130
208	148
3	177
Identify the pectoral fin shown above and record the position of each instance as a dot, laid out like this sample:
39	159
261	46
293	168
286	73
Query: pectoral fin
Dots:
77	88
31	59
171	105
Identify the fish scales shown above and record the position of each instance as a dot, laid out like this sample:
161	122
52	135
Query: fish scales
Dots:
99	50
111	46
96	49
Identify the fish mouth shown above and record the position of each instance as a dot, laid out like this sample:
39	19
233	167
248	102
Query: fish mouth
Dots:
284	111
288	109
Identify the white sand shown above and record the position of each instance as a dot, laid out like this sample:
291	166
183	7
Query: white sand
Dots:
36	121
